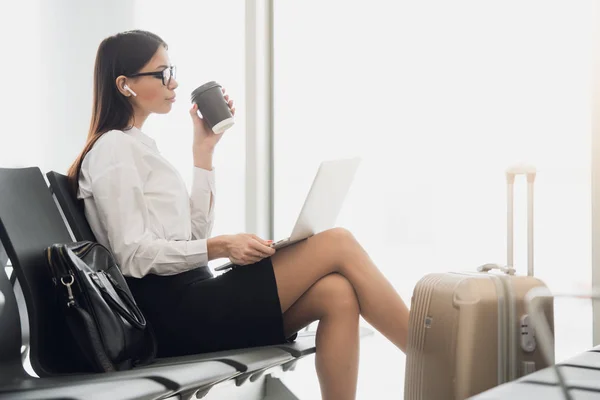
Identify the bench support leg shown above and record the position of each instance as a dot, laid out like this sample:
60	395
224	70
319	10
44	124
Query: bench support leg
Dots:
275	389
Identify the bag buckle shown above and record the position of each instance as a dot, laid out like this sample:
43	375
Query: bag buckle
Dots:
68	284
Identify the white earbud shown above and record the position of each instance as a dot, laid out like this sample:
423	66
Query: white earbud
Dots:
129	90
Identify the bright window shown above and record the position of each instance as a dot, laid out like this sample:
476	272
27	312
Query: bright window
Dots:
438	98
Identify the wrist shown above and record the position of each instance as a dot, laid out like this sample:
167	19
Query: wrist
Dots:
203	148
218	247
203	158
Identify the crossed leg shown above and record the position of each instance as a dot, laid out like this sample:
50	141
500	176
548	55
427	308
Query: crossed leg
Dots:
319	279
331	301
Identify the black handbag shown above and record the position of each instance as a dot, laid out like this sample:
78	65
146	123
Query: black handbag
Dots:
103	318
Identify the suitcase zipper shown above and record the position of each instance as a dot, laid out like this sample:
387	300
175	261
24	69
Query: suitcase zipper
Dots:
511	328
502	345
502	331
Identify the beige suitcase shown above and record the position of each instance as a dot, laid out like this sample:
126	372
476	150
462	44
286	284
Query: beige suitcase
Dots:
469	332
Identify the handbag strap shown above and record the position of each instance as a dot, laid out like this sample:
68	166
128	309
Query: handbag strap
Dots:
133	314
149	349
99	357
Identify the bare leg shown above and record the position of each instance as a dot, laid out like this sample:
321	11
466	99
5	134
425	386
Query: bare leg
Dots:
298	267
332	301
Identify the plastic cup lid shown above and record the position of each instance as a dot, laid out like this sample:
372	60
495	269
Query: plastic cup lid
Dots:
203	88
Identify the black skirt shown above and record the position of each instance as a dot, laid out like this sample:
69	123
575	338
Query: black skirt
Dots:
194	312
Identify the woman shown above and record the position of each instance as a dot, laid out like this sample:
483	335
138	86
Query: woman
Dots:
138	206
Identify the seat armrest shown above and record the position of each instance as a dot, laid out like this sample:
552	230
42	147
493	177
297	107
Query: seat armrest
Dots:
125	390
574	377
244	360
588	359
528	391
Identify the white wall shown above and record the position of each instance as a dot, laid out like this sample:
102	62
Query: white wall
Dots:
47	63
70	34
20	69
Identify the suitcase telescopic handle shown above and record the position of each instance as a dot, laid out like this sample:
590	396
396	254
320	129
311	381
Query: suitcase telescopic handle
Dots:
529	171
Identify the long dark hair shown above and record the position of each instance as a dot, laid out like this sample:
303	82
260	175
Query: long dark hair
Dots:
122	54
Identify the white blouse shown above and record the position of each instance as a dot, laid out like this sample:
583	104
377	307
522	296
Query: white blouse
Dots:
138	206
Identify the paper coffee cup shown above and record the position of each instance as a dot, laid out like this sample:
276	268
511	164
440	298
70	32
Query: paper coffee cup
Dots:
213	107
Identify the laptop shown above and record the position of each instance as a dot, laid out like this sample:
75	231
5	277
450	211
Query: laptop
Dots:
323	202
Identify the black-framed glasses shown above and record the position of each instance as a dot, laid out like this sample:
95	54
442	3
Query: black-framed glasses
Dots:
165	75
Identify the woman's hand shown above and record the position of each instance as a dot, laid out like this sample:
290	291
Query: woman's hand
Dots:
245	248
204	137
